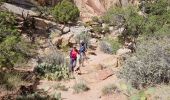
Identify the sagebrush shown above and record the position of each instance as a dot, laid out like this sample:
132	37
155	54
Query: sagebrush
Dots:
150	65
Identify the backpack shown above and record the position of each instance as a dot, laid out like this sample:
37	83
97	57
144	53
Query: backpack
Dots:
73	54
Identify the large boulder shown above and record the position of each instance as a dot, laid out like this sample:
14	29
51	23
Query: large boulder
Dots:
93	43
123	51
57	41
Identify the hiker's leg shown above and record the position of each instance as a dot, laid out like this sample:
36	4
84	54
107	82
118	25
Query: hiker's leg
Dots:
74	64
71	65
83	58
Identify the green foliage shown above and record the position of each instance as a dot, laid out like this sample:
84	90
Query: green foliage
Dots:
11	48
106	47
97	29
39	96
95	19
53	72
55	59
109	45
152	54
110	89
127	18
156	19
60	87
84	36
10	81
80	87
66	11
156	7
142	94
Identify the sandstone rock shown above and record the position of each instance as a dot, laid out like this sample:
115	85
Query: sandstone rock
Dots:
104	25
17	10
68	39
57	41
123	51
66	29
104	74
94	35
93	41
93	44
111	28
90	8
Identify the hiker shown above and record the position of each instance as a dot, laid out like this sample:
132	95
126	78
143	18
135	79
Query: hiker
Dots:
82	52
73	58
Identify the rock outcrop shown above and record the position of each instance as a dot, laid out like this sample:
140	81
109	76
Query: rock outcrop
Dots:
90	8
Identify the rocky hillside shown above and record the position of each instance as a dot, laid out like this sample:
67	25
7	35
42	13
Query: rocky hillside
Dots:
91	8
88	8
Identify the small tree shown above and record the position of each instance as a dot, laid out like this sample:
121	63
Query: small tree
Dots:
12	48
65	12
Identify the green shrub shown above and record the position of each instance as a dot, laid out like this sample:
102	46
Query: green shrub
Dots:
110	89
55	59
66	11
11	81
95	19
106	47
39	96
52	72
106	29
60	87
12	50
80	87
109	45
97	29
84	36
150	64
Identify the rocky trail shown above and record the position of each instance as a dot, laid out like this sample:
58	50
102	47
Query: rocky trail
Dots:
98	72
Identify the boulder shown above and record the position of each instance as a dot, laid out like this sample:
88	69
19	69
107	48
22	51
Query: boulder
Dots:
67	39
66	29
111	28
57	41
123	51
94	35
93	43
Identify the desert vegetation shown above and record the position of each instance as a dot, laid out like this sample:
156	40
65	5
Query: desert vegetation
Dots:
126	46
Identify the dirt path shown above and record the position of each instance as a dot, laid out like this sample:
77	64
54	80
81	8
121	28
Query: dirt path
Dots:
93	76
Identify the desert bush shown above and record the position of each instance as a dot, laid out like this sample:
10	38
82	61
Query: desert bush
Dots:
95	19
80	87
84	36
150	64
52	72
110	89
97	29
11	81
106	47
55	59
106	29
110	45
65	11
60	87
39	96
12	46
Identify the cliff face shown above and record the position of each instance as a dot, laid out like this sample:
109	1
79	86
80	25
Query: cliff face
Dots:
89	8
